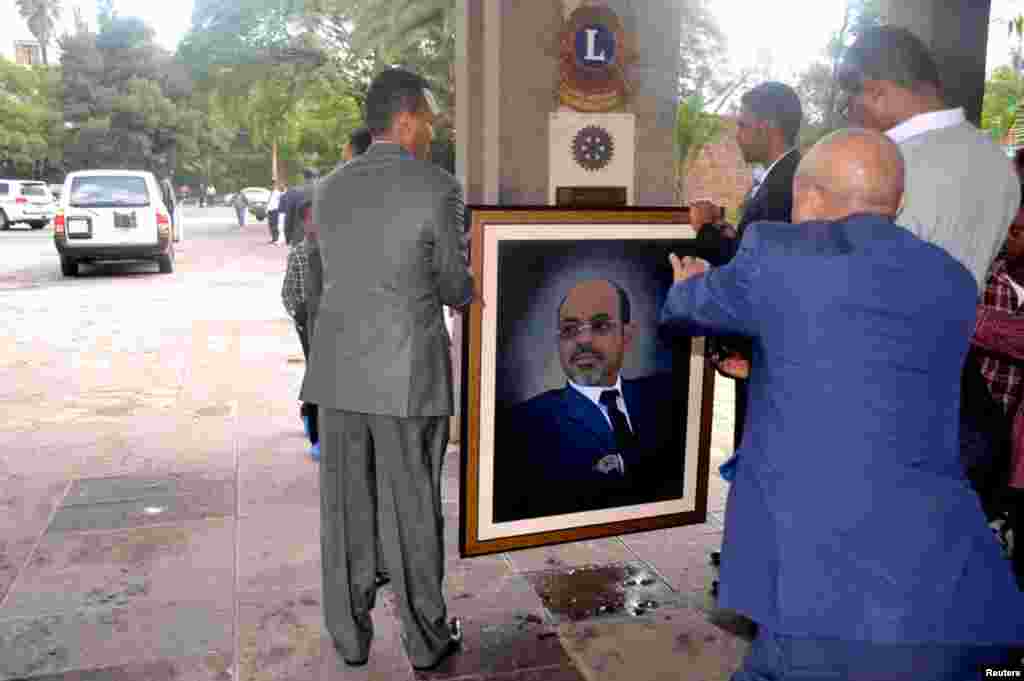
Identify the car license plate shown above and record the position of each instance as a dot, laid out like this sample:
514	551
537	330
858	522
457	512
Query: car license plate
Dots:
124	220
78	227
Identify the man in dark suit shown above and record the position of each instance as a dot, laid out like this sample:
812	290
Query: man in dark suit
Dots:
767	132
602	441
851	535
394	251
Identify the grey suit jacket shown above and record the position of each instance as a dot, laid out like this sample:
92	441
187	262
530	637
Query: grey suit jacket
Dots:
394	251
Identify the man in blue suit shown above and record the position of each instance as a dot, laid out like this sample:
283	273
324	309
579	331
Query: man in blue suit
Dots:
851	536
602	441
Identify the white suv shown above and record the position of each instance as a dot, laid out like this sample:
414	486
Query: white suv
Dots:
113	215
25	201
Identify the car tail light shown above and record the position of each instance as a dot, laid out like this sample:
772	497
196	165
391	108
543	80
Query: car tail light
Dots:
163	223
21	199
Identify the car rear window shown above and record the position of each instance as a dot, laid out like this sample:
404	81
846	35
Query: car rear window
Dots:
33	190
99	191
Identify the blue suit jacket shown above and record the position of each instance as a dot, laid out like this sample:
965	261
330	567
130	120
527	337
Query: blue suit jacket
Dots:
850	516
546	449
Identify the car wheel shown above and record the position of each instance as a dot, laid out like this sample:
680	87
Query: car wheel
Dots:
39	225
166	262
4	222
68	267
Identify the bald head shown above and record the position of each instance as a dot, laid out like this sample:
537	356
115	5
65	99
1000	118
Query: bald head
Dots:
850	171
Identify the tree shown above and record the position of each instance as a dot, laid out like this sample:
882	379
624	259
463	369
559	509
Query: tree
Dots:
695	129
42	17
124	97
817	85
999	108
31	114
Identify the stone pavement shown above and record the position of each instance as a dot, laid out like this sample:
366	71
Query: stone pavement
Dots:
160	519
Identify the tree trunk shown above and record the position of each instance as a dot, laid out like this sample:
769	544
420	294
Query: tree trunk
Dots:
273	163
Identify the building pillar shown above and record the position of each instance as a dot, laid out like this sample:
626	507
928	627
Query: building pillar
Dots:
957	35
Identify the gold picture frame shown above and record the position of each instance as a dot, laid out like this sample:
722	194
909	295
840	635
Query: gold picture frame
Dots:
524	260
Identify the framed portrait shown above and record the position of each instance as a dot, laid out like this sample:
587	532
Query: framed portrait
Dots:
580	418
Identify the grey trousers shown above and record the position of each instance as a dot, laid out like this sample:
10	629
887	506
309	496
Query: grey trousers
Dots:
382	474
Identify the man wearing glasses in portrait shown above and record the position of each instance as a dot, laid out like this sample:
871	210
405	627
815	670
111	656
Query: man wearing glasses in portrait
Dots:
602	440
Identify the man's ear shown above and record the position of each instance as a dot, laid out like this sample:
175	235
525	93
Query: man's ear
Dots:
628	331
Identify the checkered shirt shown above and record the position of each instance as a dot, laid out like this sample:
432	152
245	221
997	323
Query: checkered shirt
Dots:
297	271
1004	375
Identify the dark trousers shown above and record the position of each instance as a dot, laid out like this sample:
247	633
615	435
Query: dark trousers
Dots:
240	210
308	409
380	488
784	658
275	233
742	392
1015	499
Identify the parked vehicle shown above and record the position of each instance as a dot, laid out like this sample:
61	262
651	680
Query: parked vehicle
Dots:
258	198
113	215
25	201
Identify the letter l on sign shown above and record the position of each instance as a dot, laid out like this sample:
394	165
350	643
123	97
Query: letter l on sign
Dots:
592	45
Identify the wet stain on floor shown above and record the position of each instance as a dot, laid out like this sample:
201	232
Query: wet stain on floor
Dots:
581	593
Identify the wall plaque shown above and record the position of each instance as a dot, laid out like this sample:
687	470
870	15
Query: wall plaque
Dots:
592	56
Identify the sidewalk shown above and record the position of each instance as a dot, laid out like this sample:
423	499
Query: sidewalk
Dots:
161	521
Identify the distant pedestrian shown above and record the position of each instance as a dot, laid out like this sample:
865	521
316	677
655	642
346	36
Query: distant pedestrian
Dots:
241	204
272	213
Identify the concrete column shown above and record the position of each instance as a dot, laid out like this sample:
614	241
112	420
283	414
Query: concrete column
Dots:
957	34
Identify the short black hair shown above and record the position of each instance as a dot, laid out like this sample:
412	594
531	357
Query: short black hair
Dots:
892	54
360	139
625	310
779	105
392	92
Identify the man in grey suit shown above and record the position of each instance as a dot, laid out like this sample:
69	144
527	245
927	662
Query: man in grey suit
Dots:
394	251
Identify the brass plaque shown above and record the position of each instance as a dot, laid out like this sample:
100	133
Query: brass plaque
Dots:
590	197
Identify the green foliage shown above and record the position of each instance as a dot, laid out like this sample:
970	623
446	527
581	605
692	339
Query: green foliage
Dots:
1003	90
695	129
294	75
29	110
125	98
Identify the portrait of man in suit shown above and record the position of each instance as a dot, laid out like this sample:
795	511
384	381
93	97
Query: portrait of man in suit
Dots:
602	440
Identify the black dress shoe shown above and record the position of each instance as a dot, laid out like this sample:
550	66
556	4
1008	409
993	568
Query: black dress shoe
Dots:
454	643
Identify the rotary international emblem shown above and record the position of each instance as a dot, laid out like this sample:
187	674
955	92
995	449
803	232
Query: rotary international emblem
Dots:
592	147
592	56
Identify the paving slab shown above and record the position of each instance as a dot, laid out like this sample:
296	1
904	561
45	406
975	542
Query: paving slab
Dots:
292	481
278	552
108	637
133	501
210	667
283	638
168	565
26	504
496	644
674	644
